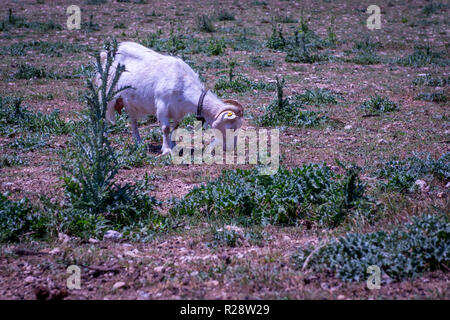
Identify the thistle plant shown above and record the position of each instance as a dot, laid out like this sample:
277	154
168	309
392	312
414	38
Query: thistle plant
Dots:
96	201
95	162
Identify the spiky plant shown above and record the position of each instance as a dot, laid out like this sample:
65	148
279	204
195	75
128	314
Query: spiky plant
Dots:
96	201
94	162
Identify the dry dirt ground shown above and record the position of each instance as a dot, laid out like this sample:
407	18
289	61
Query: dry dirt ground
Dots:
183	264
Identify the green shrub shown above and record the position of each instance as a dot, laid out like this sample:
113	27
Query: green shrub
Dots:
178	44
365	58
225	236
433	96
288	112
120	25
317	97
258	62
378	104
136	156
302	46
276	40
27	72
423	56
29	142
308	37
432	8
216	47
240	84
91	25
401	175
96	2
14	117
364	52
303	54
243	43
92	164
20	22
44	47
18	220
284	19
366	45
423	246
175	43
204	24
430	81
224	15
11	160
312	192
133	156
46	26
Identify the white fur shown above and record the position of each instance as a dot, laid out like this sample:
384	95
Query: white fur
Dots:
167	87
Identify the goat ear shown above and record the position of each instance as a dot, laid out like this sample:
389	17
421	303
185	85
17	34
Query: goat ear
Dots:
233	102
119	105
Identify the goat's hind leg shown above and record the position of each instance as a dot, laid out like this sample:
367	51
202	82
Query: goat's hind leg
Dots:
135	131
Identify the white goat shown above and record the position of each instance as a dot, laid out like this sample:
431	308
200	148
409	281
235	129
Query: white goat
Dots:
167	87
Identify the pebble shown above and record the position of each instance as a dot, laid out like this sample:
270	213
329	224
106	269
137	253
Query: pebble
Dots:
422	185
119	285
159	269
64	238
55	251
112	235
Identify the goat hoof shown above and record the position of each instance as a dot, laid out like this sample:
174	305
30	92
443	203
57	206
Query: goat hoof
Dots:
166	152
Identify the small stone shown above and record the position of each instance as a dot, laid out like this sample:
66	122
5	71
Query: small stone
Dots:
55	251
133	253
422	185
348	127
341	297
112	235
119	285
324	286
144	295
213	283
29	279
382	141
447	185
92	240
64	238
441	194
159	269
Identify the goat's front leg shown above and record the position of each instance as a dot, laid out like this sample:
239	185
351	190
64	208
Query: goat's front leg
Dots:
166	145
174	127
135	131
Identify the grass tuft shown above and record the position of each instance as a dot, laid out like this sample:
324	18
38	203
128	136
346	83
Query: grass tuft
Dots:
421	246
